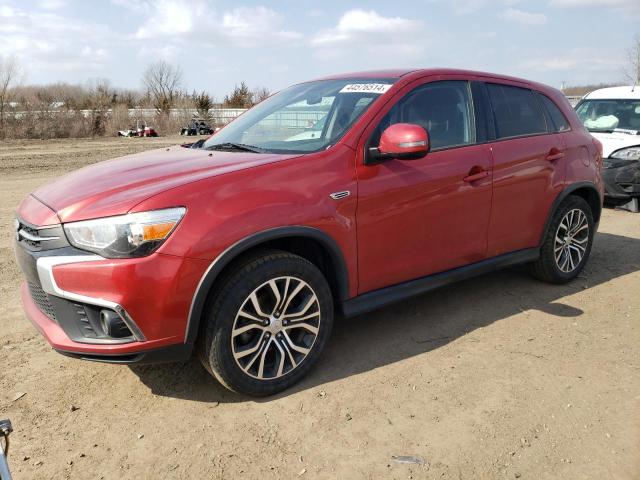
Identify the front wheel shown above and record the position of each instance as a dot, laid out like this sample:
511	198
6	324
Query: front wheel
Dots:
567	244
267	323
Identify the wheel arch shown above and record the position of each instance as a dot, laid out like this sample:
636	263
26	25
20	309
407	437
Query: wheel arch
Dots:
310	243
586	190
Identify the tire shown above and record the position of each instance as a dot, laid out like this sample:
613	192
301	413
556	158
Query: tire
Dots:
562	256
245	345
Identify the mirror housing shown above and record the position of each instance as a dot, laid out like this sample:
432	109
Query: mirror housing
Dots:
404	141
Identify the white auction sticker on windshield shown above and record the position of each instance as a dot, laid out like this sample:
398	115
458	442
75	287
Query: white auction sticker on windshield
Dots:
378	88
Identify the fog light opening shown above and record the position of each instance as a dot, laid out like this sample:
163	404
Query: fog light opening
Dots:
112	325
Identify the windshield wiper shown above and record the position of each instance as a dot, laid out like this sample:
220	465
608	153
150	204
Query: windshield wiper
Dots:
628	131
229	146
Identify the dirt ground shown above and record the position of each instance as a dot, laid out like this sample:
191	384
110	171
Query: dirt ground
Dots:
496	377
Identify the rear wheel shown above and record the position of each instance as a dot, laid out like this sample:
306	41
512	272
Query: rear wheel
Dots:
267	324
567	244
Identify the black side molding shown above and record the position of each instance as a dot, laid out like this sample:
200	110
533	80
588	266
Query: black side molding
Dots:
385	296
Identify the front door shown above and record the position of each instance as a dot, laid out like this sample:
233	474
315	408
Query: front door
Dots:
418	217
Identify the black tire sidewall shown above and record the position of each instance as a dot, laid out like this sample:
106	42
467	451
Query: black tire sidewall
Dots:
228	301
548	255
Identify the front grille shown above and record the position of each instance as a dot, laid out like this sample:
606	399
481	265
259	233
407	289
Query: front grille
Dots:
41	299
35	238
32	242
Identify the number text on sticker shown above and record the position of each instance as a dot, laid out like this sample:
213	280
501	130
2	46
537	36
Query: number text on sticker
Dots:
378	88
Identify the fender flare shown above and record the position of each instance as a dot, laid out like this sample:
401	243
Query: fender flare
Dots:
215	268
559	199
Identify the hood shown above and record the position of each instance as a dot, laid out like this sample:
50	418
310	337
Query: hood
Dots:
114	187
615	141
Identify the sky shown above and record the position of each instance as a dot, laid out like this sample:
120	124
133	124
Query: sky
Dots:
275	44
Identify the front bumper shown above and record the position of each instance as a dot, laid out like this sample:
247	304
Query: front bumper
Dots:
65	290
622	183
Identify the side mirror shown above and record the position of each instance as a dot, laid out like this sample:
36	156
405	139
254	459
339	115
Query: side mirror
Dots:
404	141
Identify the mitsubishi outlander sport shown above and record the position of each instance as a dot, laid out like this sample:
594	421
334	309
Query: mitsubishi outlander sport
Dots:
243	247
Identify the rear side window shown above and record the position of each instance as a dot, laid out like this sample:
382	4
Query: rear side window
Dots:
558	120
516	111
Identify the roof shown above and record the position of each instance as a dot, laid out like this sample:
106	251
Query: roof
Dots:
397	73
618	93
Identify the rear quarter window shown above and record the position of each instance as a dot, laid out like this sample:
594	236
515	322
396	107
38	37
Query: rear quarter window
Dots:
559	122
516	111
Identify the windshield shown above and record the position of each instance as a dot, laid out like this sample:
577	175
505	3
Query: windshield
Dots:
303	118
610	115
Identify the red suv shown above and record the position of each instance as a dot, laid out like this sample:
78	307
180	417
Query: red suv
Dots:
244	246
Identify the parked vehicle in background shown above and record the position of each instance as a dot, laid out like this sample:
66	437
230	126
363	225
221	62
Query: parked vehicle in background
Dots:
612	115
130	132
140	131
146	131
197	127
243	249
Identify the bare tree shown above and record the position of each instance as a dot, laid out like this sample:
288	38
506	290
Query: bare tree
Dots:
9	73
632	72
259	94
163	81
99	99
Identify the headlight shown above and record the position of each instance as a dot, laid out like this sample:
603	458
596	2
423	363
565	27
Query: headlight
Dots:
630	153
124	236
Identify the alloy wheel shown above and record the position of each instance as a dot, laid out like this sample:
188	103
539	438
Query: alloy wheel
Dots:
275	328
571	240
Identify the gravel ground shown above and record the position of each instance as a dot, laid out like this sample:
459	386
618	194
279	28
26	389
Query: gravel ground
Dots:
495	377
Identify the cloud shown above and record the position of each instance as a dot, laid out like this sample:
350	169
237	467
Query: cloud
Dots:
627	6
523	18
255	25
52	4
576	61
593	3
48	41
195	20
466	7
360	25
170	18
367	38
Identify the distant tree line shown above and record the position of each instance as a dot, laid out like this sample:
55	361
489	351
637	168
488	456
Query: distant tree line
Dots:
581	90
97	108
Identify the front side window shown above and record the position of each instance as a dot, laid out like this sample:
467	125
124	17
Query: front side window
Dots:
610	115
444	109
303	118
516	111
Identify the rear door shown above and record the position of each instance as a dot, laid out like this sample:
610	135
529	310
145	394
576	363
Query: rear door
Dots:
528	174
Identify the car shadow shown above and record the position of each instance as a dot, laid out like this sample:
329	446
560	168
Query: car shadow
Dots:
416	326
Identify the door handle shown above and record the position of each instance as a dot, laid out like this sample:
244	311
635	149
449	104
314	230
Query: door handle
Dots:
472	177
554	154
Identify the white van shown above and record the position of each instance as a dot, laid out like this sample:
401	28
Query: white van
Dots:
612	115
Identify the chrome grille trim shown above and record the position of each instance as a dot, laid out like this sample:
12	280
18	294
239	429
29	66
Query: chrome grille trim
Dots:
34	238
